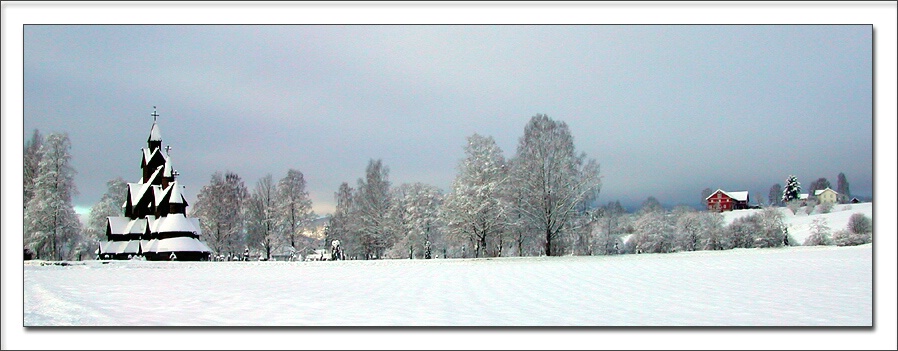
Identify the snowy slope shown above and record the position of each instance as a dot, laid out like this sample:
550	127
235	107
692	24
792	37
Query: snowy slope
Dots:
800	223
796	286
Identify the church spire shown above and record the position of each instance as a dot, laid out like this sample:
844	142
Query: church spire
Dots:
155	134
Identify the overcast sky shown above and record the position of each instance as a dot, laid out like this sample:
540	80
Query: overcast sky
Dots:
666	110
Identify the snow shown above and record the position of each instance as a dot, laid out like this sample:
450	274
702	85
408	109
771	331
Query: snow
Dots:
797	286
799	224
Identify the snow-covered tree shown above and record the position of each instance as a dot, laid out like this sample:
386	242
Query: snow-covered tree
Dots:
713	234
859	223
843	189
741	232
31	164
772	228
858	232
608	228
219	206
262	216
792	189
110	205
775	195
555	179
52	229
819	233
655	233
294	211
475	210
810	205
690	230
340	226
372	202
416	213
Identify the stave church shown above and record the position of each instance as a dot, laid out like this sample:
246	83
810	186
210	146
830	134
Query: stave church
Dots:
154	224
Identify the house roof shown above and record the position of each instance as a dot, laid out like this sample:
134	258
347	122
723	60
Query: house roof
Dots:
818	192
735	195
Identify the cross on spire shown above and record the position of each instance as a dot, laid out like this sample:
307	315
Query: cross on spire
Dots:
154	114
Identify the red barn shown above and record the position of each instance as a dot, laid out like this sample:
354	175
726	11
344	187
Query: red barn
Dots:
727	200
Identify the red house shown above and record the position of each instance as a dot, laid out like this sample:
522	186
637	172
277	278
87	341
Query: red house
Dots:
727	200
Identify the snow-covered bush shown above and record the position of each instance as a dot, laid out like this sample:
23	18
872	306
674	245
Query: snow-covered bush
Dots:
845	237
819	233
860	224
793	206
825	207
809	208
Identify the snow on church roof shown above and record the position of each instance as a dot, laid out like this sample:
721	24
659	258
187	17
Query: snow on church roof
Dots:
175	223
176	196
155	134
176	244
118	225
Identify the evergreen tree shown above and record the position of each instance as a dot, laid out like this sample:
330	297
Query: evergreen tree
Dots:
792	189
52	229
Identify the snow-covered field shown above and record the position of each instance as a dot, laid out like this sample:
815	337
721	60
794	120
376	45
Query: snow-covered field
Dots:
802	286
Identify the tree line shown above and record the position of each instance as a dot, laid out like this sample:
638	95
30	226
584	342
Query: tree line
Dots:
541	201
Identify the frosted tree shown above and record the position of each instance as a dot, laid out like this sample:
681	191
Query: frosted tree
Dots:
689	230
608	228
772	231
372	203
110	205
775	195
792	189
31	164
52	228
294	211
262	216
859	223
654	233
475	210
340	226
858	231
713	234
416	213
843	189
555	180
219	206
820	233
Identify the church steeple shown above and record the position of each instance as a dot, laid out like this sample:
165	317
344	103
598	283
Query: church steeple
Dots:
155	139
